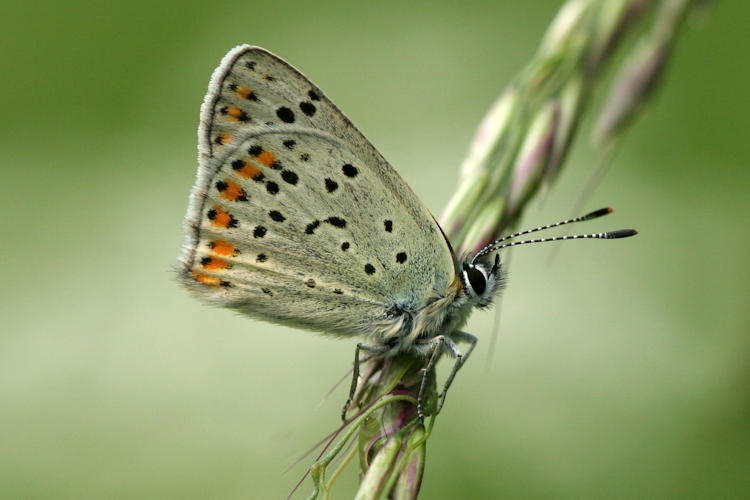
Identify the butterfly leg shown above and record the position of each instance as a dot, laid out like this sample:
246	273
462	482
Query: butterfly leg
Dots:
460	360
435	347
372	349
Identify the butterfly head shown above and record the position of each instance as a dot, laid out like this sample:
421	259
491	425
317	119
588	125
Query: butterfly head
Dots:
481	280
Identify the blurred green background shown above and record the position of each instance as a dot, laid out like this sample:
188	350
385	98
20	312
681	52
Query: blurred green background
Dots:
622	369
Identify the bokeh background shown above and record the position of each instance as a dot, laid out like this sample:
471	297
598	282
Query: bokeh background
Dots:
622	369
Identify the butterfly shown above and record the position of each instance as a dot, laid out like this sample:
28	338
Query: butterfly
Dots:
295	218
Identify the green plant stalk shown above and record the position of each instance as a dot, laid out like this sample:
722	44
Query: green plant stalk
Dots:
318	469
372	482
407	473
519	146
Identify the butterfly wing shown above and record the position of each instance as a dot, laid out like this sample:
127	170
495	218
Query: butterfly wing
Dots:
295	217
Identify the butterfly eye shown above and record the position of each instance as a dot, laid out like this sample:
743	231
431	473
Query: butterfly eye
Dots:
476	279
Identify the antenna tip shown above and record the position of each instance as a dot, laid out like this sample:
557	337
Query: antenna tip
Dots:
621	233
598	213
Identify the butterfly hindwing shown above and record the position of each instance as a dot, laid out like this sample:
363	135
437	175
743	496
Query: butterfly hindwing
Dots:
295	217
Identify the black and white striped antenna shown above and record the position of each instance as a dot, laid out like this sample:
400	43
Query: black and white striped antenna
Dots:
609	235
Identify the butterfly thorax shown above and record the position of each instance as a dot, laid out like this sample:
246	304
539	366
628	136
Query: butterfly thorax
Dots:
402	327
444	313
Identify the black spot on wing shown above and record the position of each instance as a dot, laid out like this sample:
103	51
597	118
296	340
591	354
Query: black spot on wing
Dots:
289	177
285	114
307	107
336	222
349	170
311	227
276	215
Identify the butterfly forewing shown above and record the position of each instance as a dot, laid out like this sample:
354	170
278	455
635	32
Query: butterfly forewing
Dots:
295	217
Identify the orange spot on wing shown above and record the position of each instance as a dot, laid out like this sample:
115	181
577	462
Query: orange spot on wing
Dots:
220	217
223	139
221	247
243	92
233	192
207	280
267	158
248	171
214	264
237	113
